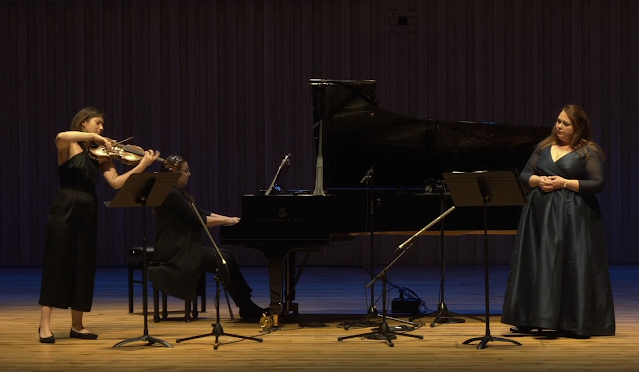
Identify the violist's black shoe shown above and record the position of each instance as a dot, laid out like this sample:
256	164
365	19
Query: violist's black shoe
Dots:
83	336
46	340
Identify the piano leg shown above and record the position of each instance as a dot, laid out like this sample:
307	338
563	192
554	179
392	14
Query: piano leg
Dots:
275	279
289	285
283	278
281	273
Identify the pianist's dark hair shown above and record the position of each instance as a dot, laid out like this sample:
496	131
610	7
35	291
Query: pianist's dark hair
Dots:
175	162
582	138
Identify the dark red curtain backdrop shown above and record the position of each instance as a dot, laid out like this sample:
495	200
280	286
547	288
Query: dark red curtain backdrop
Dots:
224	83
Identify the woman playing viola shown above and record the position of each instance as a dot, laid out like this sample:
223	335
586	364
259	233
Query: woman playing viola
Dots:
68	271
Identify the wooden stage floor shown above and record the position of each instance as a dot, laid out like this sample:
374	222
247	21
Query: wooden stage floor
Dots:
326	295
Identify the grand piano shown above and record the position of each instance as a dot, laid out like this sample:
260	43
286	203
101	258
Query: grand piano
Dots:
404	157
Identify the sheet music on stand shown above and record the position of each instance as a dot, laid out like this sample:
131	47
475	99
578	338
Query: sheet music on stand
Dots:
504	188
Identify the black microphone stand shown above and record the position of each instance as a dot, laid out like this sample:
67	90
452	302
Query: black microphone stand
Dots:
443	315
383	332
218	330
365	321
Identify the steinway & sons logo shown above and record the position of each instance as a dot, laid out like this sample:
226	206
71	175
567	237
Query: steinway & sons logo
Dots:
282	217
282	213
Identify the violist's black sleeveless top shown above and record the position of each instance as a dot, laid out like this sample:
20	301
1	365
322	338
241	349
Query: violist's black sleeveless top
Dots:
68	271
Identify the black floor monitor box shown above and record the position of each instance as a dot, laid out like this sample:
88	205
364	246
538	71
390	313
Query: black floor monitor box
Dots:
405	306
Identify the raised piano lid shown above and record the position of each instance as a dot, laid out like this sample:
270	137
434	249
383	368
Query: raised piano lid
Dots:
355	134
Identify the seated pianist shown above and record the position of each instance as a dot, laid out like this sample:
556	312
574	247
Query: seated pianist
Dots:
178	247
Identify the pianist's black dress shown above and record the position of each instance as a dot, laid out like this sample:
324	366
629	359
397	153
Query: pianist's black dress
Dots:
181	258
559	272
68	270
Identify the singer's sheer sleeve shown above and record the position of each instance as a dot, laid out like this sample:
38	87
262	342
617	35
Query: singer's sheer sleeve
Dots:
529	169
594	182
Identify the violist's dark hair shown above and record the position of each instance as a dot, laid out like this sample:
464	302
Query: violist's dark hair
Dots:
82	117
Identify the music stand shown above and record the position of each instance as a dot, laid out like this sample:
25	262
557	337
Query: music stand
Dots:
495	188
144	190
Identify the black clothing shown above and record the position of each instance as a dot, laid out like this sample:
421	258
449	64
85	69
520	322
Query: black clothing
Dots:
181	257
68	271
233	280
559	275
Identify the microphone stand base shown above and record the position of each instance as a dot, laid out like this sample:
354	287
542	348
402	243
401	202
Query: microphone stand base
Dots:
382	333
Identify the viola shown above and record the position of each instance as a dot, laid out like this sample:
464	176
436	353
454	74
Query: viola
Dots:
127	154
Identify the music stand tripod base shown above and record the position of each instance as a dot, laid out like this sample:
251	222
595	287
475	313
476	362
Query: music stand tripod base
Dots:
486	339
145	338
443	316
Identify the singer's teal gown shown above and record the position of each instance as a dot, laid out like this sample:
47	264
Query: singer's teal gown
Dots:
559	275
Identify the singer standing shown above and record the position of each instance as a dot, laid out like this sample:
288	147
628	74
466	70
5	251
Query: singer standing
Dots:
559	277
178	246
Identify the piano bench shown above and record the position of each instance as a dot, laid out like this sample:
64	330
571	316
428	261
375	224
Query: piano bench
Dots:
134	256
190	307
135	263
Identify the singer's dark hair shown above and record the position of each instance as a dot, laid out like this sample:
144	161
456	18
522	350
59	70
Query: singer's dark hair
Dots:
582	138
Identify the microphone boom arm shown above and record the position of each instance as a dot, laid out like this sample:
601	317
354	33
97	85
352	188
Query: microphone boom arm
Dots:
407	245
410	240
